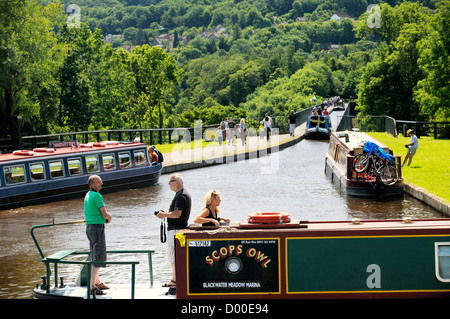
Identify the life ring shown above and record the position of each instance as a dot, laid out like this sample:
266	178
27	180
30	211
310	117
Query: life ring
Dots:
47	150
86	145
99	144
24	152
268	218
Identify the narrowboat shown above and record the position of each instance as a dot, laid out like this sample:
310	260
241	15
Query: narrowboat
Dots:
318	127
297	259
343	147
61	172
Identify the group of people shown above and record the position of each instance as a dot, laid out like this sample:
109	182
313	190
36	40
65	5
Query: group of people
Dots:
96	216
319	111
228	129
154	155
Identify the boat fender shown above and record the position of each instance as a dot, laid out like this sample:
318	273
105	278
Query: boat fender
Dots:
268	218
24	152
47	150
111	143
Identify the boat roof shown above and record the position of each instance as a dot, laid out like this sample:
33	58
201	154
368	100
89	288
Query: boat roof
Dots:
344	227
356	140
382	224
86	148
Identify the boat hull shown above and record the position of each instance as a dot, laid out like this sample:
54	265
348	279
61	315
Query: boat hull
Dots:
355	188
317	133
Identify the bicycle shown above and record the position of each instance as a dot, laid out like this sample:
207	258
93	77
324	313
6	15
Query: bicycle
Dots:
375	161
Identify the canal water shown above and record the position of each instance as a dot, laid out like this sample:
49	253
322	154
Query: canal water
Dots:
291	181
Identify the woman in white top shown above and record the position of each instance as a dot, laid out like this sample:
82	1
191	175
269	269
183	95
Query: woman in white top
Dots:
412	146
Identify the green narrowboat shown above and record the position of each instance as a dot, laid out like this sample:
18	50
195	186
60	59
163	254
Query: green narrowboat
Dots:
324	259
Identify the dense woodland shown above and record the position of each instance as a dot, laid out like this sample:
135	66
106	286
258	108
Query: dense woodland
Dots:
242	58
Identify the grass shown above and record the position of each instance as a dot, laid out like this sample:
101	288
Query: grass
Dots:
429	168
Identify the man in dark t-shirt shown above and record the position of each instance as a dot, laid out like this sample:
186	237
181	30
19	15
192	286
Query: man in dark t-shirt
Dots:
177	218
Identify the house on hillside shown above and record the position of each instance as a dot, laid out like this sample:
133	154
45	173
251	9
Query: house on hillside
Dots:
166	41
338	16
109	38
210	35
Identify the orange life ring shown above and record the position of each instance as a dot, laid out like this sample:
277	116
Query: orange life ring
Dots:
47	150
97	144
86	145
24	152
268	218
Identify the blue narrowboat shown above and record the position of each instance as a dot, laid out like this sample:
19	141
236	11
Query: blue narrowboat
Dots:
61	171
318	127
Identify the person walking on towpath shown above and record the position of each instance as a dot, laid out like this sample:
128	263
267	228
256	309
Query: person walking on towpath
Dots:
96	216
412	146
292	119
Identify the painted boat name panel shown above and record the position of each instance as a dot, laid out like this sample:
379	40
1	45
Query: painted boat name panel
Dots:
234	266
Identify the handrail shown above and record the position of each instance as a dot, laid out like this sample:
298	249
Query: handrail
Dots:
89	264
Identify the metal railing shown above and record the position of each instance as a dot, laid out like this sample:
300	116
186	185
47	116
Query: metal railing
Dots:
384	123
58	257
149	136
421	128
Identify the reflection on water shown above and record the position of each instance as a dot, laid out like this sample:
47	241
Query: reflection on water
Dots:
292	181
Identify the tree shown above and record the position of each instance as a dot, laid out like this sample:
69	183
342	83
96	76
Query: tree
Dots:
29	56
155	78
388	83
433	91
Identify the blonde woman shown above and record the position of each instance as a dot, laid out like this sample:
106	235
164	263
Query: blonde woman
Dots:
210	213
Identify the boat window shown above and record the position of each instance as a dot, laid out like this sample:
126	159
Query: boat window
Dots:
74	166
139	157
342	156
92	164
125	159
37	171
56	169
332	147
442	252
109	162
14	174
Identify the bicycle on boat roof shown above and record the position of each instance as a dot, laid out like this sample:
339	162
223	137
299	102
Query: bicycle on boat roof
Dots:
375	161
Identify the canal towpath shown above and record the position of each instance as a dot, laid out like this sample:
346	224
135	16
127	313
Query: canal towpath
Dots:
183	157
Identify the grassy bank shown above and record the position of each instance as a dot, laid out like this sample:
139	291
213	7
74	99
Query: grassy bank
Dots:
429	168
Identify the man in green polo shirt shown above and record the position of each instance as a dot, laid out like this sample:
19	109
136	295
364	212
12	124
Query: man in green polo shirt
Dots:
96	216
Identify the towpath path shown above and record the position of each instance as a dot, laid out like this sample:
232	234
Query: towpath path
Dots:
183	157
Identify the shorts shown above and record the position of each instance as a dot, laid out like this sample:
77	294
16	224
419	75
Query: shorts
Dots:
170	252
412	151
97	242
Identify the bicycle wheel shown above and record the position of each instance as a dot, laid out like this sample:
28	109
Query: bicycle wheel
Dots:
388	175
361	162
